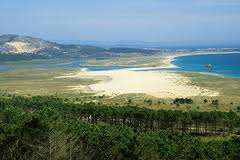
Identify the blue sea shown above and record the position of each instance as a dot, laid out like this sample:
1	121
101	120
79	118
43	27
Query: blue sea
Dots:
223	64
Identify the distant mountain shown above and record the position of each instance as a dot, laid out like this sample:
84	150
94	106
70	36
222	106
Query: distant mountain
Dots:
15	47
155	44
24	47
22	44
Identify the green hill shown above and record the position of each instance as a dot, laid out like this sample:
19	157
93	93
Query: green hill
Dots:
15	47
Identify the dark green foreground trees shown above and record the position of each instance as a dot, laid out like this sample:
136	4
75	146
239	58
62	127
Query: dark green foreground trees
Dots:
48	128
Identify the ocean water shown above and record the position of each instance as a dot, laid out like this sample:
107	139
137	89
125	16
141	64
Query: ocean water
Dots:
223	64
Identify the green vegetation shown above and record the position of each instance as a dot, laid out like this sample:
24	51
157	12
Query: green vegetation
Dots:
32	82
134	60
201	104
229	87
183	101
19	57
50	128
215	102
36	62
75	125
49	50
40	82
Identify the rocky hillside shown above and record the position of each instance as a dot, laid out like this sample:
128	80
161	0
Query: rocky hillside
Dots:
14	44
15	47
24	47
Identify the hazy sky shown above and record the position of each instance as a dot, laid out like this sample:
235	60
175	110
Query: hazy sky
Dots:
201	21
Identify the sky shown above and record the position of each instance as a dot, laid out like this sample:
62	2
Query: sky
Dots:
166	21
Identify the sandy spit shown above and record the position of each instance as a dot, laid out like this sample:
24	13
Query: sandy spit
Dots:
161	84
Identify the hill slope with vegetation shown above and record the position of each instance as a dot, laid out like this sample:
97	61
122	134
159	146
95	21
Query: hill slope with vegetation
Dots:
15	47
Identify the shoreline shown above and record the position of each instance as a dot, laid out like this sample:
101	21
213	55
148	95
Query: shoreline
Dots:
168	60
171	58
157	83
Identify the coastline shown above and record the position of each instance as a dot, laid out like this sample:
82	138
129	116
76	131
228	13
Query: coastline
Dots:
160	84
157	83
170	58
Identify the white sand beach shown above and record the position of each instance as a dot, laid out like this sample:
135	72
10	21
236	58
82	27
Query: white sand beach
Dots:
161	84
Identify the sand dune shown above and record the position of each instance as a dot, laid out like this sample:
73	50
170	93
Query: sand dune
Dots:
160	84
22	47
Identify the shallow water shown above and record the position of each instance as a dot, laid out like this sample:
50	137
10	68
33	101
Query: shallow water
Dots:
223	64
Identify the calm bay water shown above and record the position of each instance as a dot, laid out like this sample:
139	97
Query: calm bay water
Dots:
223	64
